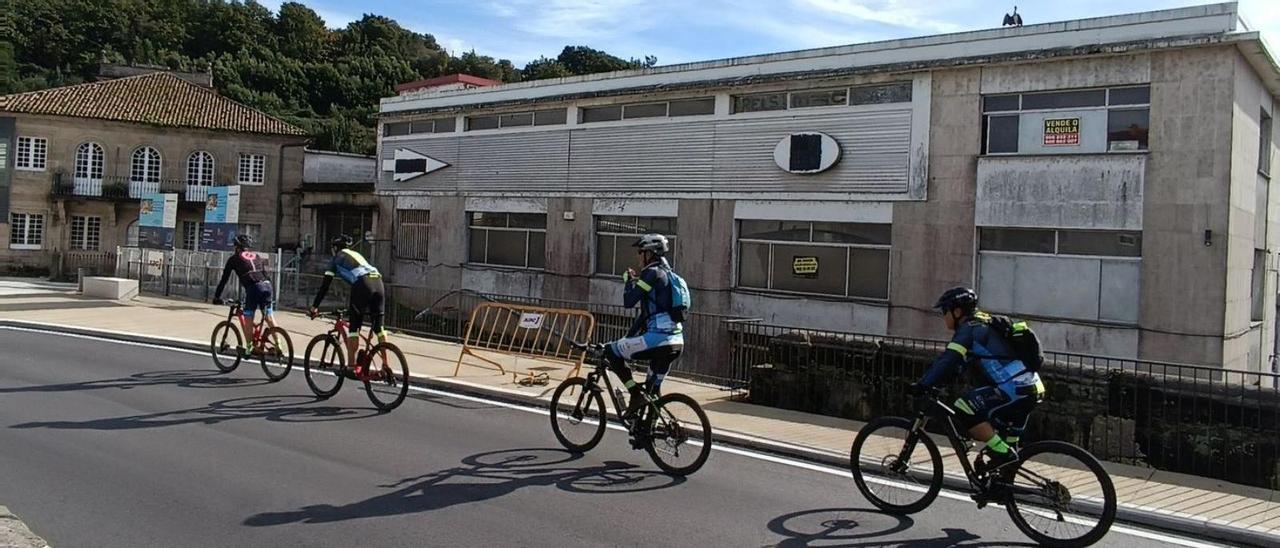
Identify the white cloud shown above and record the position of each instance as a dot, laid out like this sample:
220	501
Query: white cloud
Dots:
911	15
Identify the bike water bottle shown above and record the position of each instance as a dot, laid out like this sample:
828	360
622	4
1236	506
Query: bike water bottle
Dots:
617	393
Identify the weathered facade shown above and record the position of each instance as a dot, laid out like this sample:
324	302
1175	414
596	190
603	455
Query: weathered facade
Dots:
83	155
1106	177
337	199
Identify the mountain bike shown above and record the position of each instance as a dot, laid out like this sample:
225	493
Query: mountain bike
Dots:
1052	487
672	428
380	366
271	345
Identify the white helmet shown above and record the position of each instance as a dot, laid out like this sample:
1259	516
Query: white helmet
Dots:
655	243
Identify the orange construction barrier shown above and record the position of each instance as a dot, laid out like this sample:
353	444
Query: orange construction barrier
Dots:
529	331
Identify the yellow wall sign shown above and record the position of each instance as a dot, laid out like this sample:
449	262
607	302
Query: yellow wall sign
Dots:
1061	131
804	266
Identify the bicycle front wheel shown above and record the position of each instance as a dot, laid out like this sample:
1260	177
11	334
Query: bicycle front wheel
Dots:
277	354
225	346
896	468
679	435
387	380
1060	495
323	366
578	416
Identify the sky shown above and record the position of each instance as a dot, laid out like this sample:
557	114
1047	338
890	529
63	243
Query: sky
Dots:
679	31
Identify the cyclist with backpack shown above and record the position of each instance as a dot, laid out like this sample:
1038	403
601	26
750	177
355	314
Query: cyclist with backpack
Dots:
657	334
1003	356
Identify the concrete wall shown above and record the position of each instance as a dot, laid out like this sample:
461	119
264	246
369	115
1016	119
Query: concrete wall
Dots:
1102	192
933	240
1184	285
1249	341
31	189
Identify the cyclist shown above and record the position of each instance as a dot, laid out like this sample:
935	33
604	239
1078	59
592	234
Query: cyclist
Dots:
654	335
248	266
1010	390
366	293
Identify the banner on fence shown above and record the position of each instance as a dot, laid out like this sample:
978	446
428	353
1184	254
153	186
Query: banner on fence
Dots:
157	219
221	217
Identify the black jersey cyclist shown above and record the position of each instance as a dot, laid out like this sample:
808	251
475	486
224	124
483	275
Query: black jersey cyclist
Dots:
250	268
366	292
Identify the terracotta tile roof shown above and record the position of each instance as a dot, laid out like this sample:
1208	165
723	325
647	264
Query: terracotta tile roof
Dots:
158	98
446	80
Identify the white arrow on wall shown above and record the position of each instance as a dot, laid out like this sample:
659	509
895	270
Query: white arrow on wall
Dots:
408	164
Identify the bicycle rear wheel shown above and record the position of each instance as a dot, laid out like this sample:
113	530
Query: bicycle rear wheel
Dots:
1060	495
679	435
578	417
387	380
277	354
890	468
323	365
225	346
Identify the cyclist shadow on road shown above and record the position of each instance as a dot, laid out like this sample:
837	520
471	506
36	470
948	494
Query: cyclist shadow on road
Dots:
270	408
852	527
182	378
481	477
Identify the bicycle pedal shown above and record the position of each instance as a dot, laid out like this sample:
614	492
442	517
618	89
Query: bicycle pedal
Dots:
980	500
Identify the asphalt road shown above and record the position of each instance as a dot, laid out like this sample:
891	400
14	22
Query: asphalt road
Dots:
105	444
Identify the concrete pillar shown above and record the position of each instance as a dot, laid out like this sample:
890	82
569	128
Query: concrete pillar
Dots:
569	243
446	247
933	247
704	252
1184	281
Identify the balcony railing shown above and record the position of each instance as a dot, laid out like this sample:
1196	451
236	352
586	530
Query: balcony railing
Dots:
128	188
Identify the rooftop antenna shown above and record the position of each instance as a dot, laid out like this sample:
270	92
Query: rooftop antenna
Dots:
1013	20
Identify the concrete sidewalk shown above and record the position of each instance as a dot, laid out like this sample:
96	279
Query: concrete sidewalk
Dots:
1229	512
15	534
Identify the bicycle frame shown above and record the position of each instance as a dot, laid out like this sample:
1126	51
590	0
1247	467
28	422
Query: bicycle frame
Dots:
593	383
341	330
236	312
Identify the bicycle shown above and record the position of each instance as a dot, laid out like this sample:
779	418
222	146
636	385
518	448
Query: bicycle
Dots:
1025	487
266	345
662	428
387	383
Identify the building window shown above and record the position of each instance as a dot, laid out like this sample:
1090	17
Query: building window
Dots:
32	153
820	258
1259	308
820	98
26	231
548	117
881	94
438	125
1094	274
191	235
759	102
145	167
1067	121
614	236
413	227
395	129
601	114
878	94
551	117
481	122
1264	144
692	107
200	168
89	162
646	110
253	169
86	233
508	239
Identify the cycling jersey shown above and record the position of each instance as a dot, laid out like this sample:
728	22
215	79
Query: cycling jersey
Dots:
248	266
976	345
652	290
350	266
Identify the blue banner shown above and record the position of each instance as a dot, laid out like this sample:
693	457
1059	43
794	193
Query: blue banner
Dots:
218	236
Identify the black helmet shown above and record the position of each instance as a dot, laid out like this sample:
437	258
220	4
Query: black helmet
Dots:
341	242
656	243
244	241
957	297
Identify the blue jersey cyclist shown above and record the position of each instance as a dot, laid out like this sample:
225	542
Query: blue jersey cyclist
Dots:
366	292
250	268
654	335
1009	391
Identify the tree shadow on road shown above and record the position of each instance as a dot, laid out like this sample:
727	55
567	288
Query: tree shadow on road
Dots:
182	378
853	527
483	476
270	408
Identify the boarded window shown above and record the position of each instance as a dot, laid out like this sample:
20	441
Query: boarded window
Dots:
412	233
837	259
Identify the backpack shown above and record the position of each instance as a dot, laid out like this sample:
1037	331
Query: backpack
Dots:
681	299
1019	336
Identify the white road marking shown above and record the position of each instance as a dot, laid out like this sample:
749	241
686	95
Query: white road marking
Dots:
945	493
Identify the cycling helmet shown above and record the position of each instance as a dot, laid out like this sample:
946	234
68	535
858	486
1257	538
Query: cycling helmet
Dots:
957	297
341	242
655	243
244	241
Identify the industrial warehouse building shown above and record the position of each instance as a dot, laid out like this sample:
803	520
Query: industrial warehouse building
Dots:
1106	177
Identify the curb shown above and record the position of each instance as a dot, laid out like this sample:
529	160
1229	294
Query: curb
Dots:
1202	528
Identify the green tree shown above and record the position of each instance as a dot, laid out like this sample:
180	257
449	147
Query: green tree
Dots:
544	68
301	32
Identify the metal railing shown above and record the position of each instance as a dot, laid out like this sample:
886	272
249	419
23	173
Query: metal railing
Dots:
114	187
1184	418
